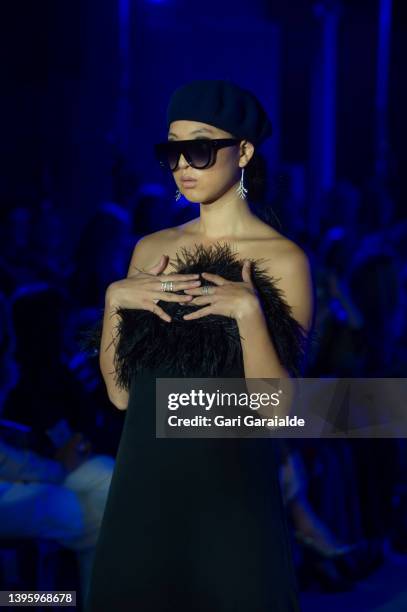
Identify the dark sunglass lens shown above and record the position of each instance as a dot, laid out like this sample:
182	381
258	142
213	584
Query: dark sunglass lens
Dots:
200	153
172	157
167	154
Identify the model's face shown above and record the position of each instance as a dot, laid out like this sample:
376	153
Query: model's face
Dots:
216	180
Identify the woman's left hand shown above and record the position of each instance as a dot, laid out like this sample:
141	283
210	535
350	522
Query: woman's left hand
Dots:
227	298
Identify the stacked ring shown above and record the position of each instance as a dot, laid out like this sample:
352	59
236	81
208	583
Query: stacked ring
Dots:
166	285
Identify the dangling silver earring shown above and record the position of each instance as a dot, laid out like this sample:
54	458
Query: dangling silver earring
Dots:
178	194
241	190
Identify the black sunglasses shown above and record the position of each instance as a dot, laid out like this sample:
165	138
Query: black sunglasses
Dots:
199	153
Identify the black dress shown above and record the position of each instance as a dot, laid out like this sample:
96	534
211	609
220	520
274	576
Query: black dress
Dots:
194	524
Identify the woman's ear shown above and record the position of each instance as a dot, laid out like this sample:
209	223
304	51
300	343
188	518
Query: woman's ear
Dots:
246	151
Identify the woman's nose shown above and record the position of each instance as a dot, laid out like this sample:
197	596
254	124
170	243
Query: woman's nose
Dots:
182	162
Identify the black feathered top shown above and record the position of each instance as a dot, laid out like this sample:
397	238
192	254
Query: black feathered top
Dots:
209	345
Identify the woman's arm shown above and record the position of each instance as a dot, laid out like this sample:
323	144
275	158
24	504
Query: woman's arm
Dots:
141	289
260	358
118	397
294	279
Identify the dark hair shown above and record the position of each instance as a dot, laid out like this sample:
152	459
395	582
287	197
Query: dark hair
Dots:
257	184
255	178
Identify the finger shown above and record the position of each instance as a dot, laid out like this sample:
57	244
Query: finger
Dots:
246	271
201	312
175	276
202	299
199	291
160	312
159	266
177	285
168	296
181	301
215	278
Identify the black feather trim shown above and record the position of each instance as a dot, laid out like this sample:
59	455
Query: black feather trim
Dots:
208	346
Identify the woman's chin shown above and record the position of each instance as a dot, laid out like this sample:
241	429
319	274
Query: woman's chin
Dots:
192	198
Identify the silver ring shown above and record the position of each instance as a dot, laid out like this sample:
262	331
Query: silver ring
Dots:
205	289
166	285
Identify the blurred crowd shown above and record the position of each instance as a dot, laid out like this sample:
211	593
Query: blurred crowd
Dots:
346	499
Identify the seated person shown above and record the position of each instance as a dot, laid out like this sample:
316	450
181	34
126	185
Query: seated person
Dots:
62	499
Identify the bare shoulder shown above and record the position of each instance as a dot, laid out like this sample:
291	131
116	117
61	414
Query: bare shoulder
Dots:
157	240
149	248
285	255
278	251
290	268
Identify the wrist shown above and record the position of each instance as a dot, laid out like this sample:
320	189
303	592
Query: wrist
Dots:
251	312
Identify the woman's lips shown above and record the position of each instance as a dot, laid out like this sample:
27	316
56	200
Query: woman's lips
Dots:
188	183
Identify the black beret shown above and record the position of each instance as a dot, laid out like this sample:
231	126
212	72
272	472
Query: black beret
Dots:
222	104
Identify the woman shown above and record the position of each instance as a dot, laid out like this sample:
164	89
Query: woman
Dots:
198	524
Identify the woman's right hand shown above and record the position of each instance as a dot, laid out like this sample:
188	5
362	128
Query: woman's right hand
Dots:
142	290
